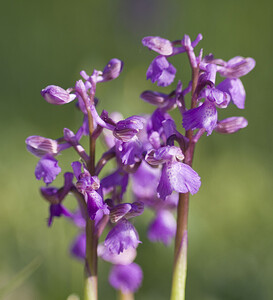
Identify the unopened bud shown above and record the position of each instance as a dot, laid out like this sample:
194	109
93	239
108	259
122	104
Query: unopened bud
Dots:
112	69
126	129
231	125
158	44
39	146
56	95
155	98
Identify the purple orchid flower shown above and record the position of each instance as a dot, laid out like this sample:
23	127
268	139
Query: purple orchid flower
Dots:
122	237
124	258
89	186
162	71
55	197
162	228
47	169
175	176
126	278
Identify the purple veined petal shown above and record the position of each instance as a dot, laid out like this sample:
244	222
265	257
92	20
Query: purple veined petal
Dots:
164	188
94	204
237	67
56	95
126	278
112	70
164	154
162	71
182	178
154	139
154	123
47	169
129	152
77	168
119	211
126	129
234	87
41	146
145	173
124	258
122	237
163	227
137	209
231	125
220	98
170	130
158	44
155	98
117	178
204	116
207	78
78	246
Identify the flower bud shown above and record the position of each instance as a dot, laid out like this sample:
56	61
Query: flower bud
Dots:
126	129
40	146
155	98
231	125
56	95
69	135
237	66
112	69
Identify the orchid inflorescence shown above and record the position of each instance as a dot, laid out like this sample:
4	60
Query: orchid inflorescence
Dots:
150	150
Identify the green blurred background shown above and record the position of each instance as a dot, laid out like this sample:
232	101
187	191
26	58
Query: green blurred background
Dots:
231	227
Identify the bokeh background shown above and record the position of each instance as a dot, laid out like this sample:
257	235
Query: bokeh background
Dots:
230	225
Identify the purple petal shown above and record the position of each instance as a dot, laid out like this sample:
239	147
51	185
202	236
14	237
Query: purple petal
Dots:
94	204
41	146
234	87
112	70
204	116
124	258
77	168
231	125
237	67
183	178
145	173
164	188
122	237
129	152
56	95
162	71
162	228
126	278
78	246
126	129
57	210
47	168
158	44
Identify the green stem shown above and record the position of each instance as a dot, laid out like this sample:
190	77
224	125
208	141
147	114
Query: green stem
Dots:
91	259
125	296
181	238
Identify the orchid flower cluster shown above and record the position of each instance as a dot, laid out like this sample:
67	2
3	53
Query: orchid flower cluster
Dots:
152	151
